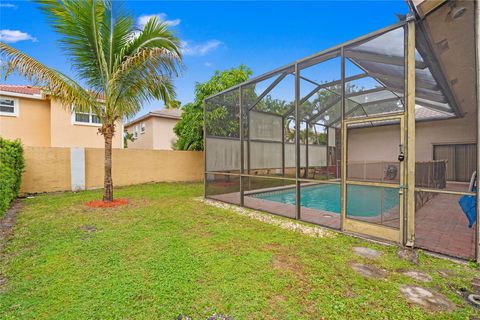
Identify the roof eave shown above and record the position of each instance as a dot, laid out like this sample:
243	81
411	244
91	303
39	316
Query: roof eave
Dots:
151	114
22	95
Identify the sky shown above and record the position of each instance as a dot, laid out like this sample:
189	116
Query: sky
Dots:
217	35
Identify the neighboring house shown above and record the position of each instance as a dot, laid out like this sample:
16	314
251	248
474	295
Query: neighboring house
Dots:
31	116
154	130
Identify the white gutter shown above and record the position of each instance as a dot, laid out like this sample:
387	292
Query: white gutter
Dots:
22	95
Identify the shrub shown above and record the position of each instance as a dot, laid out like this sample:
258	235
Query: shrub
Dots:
11	168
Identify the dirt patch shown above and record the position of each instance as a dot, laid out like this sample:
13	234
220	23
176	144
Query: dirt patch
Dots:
426	299
366	252
106	204
205	234
288	263
212	317
8	222
3	283
6	231
369	271
274	247
408	255
88	228
284	261
349	294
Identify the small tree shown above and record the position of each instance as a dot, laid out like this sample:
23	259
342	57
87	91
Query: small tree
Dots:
127	136
122	66
189	128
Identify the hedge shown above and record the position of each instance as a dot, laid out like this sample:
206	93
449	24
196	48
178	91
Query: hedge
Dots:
11	168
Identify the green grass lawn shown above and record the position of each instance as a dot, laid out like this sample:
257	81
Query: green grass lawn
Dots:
167	254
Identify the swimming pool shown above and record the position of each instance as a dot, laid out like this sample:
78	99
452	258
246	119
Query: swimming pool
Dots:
362	201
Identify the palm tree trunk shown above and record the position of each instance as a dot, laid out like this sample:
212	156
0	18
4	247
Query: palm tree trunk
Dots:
107	182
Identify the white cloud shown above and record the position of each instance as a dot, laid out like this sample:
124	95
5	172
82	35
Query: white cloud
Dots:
13	36
142	20
208	64
8	5
201	48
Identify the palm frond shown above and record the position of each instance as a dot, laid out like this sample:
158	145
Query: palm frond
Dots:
155	34
80	23
117	31
59	86
126	67
146	65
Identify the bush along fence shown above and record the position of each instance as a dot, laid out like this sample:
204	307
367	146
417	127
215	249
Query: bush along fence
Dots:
11	167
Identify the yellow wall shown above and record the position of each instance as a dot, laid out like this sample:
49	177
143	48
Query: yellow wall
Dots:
66	134
32	125
132	166
46	170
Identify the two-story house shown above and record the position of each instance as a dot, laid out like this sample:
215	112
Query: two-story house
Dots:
154	130
31	116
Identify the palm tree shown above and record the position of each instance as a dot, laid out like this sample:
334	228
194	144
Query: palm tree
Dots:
121	65
174	104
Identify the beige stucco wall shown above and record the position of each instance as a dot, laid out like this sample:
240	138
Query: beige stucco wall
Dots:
66	134
132	166
144	140
381	143
32	125
158	134
163	133
46	170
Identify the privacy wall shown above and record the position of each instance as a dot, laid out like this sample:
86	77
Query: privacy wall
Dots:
61	169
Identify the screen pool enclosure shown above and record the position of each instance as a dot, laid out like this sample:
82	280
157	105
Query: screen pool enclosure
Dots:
368	137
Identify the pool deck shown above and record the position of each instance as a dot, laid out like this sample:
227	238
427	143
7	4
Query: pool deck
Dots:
440	224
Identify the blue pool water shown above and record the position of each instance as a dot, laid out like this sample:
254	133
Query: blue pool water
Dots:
364	201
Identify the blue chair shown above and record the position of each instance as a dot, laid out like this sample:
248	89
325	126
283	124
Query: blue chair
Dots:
469	203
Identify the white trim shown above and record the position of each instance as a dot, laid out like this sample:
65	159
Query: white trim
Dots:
79	123
143	127
22	95
87	124
152	114
135	132
16	108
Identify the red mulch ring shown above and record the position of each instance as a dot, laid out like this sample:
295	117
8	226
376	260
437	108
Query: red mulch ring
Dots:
105	204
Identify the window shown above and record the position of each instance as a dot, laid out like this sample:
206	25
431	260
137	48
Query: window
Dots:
87	118
135	132
8	106
461	160
142	128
